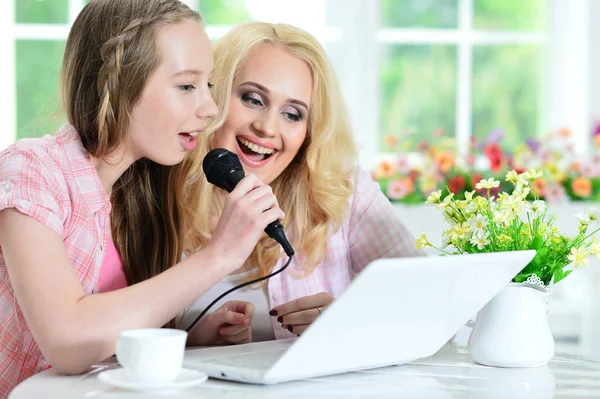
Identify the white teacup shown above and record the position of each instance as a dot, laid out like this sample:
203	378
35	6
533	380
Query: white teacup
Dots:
151	355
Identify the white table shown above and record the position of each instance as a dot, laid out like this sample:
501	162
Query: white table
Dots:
449	374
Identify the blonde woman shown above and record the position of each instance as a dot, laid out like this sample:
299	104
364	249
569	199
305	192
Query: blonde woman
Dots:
136	92
283	114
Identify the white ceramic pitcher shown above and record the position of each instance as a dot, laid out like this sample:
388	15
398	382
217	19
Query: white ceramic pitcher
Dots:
512	329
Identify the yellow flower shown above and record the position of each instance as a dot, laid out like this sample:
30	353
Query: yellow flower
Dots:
446	202
505	239
469	195
556	173
532	174
422	242
434	197
487	184
427	183
579	257
460	231
512	177
595	249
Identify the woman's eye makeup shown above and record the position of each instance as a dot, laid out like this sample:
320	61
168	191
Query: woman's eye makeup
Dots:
292	114
252	99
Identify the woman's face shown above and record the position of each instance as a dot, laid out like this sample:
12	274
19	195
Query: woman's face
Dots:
175	104
268	112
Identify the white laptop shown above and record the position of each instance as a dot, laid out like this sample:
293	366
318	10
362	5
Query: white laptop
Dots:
395	311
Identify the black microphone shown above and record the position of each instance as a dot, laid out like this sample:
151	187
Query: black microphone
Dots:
223	169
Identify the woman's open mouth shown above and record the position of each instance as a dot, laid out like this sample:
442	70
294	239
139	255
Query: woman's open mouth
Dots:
253	154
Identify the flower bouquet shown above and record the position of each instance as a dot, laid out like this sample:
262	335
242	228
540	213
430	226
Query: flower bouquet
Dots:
512	330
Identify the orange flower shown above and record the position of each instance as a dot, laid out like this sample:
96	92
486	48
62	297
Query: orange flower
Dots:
564	132
444	161
597	140
540	186
582	187
391	141
385	170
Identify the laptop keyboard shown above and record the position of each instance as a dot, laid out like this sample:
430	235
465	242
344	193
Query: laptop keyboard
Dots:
254	360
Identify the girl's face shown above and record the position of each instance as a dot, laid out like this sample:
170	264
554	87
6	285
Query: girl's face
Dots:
268	113
175	104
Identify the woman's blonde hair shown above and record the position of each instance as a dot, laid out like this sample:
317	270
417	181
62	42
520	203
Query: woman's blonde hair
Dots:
110	53
314	189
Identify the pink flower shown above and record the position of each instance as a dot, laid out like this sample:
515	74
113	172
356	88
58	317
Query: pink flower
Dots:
555	193
400	188
588	170
403	165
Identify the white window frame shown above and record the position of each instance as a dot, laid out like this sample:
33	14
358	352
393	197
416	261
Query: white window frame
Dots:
569	40
353	43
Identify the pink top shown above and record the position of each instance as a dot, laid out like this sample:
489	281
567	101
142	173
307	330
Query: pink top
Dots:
112	276
52	180
370	230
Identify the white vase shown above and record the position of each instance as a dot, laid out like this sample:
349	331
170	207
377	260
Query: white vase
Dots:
512	329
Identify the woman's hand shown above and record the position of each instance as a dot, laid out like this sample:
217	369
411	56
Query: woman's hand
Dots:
230	324
300	313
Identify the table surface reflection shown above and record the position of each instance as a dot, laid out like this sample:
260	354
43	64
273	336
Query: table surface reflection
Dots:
450	373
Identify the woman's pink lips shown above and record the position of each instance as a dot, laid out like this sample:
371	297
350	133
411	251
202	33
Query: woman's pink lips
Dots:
188	142
257	142
248	161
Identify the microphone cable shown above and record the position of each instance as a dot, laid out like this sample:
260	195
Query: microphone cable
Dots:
188	329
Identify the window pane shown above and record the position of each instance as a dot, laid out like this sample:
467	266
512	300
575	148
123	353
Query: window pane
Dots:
520	15
37	69
41	11
418	91
223	12
507	92
419	13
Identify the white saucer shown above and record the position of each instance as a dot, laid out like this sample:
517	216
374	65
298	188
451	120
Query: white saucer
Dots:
118	378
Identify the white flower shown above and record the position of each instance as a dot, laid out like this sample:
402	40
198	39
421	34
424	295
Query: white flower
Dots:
471	207
584	218
487	184
445	238
434	197
504	216
469	195
537	208
593	215
477	223
514	204
480	239
579	257
521	190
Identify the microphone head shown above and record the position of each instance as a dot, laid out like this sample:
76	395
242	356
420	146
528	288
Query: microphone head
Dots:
218	164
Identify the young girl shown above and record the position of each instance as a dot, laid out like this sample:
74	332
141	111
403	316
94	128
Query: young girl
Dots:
283	114
135	86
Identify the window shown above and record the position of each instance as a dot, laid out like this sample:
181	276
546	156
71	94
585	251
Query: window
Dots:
405	66
41	28
467	67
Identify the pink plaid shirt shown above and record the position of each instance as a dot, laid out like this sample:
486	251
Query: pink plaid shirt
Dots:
53	181
370	230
